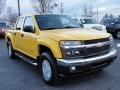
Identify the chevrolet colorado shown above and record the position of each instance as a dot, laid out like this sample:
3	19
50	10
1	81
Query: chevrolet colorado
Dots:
59	46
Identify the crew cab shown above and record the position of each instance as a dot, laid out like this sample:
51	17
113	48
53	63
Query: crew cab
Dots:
59	46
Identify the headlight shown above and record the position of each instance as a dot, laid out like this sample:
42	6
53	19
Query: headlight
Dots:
69	44
71	49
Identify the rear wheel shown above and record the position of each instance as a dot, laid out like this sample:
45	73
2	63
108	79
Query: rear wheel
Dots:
48	68
11	51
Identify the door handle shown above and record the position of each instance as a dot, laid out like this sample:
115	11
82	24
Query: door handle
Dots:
22	35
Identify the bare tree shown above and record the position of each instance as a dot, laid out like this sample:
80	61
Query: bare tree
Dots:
106	16
11	15
88	11
2	5
43	6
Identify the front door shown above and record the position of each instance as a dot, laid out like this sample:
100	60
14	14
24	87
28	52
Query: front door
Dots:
29	38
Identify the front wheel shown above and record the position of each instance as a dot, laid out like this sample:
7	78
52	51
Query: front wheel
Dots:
48	68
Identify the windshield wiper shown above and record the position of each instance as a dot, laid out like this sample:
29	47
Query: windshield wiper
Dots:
50	28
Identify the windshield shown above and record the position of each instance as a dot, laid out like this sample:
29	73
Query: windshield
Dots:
46	22
2	25
89	21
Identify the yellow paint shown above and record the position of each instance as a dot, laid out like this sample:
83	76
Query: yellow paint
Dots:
29	44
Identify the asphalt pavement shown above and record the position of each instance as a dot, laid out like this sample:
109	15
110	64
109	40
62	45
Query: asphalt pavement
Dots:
19	75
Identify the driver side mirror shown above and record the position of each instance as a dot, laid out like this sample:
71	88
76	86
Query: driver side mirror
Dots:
29	29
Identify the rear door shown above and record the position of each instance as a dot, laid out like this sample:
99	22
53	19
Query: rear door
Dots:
17	33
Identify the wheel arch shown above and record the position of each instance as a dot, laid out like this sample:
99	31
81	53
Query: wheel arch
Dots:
44	48
9	39
54	48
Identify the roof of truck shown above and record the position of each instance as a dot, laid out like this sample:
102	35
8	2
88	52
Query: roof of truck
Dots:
39	14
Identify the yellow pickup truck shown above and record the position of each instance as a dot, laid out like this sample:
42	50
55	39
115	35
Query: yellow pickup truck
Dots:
59	46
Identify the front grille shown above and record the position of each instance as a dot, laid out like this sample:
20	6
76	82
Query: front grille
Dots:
93	51
90	48
96	50
95	41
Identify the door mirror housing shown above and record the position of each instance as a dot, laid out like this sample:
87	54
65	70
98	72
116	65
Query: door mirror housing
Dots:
29	29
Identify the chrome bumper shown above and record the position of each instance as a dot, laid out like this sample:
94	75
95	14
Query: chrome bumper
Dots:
112	54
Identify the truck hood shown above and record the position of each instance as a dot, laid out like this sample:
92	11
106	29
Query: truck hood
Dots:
75	34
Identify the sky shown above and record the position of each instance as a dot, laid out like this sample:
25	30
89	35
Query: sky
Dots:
72	7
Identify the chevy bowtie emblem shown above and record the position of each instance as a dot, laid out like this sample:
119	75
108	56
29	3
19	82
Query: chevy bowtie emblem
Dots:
99	44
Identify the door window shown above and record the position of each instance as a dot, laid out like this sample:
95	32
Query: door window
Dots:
19	23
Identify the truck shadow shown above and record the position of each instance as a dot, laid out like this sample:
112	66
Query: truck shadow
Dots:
66	82
84	78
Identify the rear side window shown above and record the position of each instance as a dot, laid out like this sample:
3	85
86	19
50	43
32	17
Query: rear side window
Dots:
19	23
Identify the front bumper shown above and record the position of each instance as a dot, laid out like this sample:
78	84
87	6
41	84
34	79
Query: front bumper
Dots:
80	65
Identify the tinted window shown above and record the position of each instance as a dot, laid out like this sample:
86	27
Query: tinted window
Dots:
29	22
117	21
46	22
107	22
19	23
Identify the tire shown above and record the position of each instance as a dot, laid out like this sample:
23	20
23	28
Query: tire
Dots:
11	51
118	34
48	69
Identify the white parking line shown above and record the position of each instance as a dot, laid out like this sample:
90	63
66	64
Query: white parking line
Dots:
118	45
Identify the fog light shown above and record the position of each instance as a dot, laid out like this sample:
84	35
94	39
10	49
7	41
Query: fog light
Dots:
72	69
